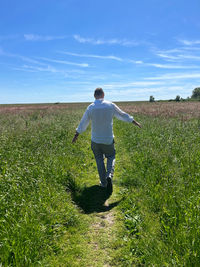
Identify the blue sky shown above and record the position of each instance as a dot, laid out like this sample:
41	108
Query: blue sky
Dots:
61	50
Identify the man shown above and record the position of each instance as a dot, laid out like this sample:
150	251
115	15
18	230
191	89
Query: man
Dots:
101	114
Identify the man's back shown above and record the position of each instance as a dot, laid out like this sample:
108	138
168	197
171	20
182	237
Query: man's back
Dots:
101	114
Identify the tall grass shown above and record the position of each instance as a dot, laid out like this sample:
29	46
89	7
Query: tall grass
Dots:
161	173
36	161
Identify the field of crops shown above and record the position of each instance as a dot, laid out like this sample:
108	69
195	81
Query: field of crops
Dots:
45	209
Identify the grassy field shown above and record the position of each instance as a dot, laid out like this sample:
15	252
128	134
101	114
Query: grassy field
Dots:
52	212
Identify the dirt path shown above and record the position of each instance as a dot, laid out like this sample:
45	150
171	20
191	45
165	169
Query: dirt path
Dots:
102	234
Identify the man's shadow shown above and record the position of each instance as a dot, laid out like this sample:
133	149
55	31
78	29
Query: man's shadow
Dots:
92	199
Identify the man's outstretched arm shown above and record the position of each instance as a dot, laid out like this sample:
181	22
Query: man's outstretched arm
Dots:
121	115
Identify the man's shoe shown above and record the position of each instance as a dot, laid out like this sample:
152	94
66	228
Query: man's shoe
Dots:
109	185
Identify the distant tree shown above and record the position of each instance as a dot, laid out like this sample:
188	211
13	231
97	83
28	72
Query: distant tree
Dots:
151	99
178	98
196	93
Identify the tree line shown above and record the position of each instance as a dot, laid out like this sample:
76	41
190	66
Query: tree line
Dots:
195	96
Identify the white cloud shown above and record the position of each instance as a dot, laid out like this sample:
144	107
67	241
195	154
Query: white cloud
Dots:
35	37
142	93
164	66
33	61
30	68
166	56
191	57
27	59
191	48
178	56
139	62
93	56
123	42
189	42
175	76
132	84
73	74
36	68
167	66
84	65
182	58
132	94
23	58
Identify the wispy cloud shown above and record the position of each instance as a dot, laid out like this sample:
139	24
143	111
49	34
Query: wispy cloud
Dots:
36	37
37	62
175	76
184	56
114	41
93	56
29	60
36	68
167	56
73	74
189	42
188	53
132	84
168	66
83	65
138	62
164	66
23	58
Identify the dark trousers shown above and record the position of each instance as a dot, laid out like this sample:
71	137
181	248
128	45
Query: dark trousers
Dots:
102	151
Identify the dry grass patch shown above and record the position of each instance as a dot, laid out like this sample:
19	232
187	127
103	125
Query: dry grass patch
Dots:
183	110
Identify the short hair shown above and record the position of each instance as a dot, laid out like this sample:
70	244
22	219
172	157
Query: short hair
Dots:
98	92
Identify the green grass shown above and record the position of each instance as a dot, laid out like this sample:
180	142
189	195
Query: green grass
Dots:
161	173
36	161
49	198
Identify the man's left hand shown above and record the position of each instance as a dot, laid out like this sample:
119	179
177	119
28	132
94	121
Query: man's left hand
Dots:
75	138
137	124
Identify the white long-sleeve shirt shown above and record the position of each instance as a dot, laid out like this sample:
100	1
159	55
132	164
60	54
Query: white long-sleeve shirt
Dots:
101	114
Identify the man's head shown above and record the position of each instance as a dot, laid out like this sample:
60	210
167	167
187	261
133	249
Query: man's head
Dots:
99	93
